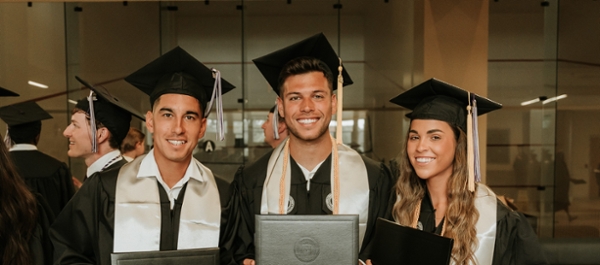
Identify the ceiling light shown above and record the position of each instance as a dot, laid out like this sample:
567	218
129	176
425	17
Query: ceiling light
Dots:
535	100
37	84
73	102
552	99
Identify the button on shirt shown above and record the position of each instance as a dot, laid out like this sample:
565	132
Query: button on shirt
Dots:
149	169
308	175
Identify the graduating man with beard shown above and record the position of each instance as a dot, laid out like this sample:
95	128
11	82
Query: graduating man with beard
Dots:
309	173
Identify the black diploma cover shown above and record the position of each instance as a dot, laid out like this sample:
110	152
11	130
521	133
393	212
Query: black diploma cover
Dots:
397	244
200	256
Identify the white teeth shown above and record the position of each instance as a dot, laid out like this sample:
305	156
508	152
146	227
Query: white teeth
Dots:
424	159
176	142
307	121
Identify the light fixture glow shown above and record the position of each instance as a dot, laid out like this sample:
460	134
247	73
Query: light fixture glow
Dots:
535	100
552	99
73	102
37	84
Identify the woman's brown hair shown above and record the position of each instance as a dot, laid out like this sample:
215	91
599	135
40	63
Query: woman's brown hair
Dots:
461	215
18	214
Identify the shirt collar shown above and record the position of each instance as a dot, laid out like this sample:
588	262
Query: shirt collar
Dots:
149	168
23	147
102	161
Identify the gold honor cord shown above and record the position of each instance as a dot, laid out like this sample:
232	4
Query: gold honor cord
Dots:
416	214
336	178
286	155
340	103
470	147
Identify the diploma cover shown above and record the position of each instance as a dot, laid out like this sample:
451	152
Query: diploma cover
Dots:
397	244
199	256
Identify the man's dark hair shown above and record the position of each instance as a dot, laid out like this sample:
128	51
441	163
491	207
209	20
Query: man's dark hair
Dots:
303	65
112	141
26	133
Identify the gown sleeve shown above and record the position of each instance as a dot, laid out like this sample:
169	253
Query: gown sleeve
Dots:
75	227
39	244
516	242
228	221
237	233
380	201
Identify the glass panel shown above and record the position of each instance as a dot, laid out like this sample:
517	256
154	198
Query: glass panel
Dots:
577	121
32	40
213	34
521	135
102	51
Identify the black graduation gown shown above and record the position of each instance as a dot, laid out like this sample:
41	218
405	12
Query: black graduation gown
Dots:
516	242
45	175
40	246
83	232
238	234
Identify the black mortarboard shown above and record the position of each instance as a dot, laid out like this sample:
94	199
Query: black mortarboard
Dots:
317	46
23	120
114	113
438	100
7	93
21	113
177	72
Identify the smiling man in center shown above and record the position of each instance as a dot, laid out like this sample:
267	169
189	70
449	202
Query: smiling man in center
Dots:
308	174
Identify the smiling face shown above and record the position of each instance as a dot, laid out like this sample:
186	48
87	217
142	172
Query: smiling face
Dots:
430	147
307	105
80	138
176	123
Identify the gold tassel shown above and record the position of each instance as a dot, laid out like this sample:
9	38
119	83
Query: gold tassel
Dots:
340	103
470	151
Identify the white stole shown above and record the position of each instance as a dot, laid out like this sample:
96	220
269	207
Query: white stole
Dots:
354	185
138	211
486	204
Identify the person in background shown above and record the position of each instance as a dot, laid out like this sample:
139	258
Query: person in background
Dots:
99	123
271	137
133	145
438	191
49	177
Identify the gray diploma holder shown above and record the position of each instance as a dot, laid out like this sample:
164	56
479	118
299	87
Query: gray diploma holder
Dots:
200	256
306	239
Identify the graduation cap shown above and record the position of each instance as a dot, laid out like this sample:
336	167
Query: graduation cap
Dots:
178	72
7	93
438	100
24	121
316	46
114	113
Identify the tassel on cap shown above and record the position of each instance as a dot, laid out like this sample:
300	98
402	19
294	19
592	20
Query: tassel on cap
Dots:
275	121
340	103
477	168
91	98
7	140
217	99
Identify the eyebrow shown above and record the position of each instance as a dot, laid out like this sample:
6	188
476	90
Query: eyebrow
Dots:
165	109
428	132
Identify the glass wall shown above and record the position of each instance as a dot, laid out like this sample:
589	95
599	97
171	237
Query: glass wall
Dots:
542	156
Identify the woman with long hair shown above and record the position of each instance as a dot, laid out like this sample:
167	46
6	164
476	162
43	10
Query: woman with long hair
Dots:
23	219
437	190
